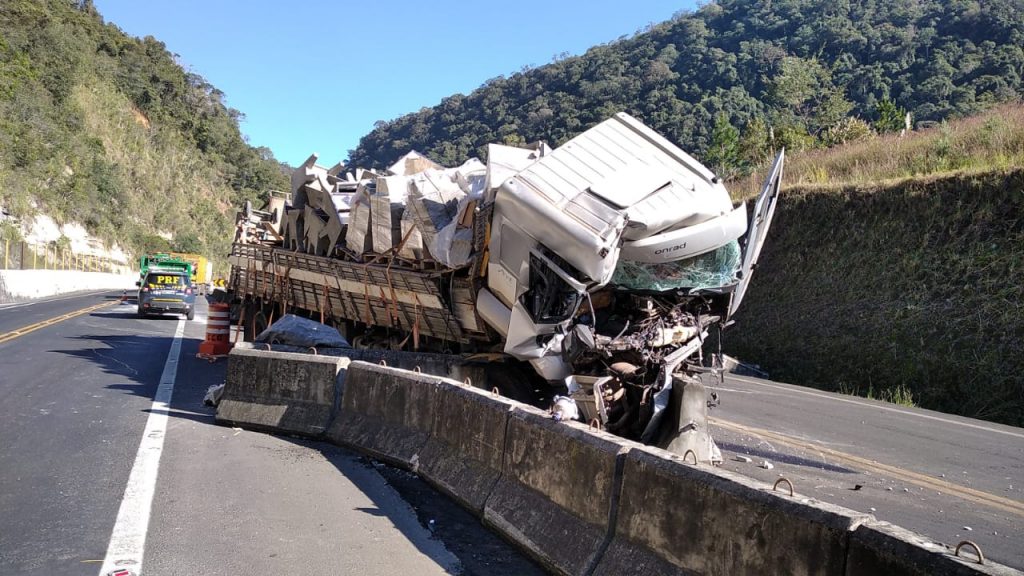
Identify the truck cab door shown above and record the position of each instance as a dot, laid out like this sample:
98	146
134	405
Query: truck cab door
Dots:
757	230
547	302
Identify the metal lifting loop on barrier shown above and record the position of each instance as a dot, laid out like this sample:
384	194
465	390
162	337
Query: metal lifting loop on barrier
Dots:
595	424
495	391
468	381
981	557
383	363
267	344
779	481
313	350
416	370
687	453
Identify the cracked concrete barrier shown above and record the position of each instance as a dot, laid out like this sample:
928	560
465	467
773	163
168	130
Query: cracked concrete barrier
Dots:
675	518
557	494
280	391
881	548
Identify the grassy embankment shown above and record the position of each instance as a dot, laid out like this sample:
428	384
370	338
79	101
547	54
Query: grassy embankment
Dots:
895	268
110	132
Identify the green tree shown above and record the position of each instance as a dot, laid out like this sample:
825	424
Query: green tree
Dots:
847	130
723	153
891	118
755	142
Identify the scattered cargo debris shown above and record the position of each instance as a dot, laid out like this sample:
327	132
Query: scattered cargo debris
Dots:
213	395
564	409
603	264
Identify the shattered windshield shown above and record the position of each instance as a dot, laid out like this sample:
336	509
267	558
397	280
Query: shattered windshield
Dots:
709	270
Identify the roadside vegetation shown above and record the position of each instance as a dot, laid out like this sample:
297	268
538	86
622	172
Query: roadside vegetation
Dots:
894	269
735	78
107	130
993	140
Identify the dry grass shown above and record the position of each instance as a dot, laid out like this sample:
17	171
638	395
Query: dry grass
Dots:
895	269
990	141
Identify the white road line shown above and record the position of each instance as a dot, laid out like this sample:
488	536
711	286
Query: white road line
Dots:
128	539
874	406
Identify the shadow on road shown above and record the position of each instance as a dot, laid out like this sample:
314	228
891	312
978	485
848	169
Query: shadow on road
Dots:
783	457
136	362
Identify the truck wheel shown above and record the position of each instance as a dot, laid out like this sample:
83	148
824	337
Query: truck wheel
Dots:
140	313
191	313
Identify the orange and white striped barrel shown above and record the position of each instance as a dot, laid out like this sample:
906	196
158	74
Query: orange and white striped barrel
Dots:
218	326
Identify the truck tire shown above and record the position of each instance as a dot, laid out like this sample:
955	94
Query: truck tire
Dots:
139	312
191	314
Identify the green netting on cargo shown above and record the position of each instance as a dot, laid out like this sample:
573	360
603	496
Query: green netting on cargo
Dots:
710	270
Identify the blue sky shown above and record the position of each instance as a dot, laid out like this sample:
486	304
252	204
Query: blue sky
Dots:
315	76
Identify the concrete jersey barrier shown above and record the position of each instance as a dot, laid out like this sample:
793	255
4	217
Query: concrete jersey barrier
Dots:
675	518
557	494
280	391
386	412
464	453
882	548
580	501
453	435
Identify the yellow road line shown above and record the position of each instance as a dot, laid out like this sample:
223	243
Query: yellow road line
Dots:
8	336
922	480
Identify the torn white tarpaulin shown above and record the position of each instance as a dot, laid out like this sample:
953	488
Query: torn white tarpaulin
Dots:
412	163
471	177
504	161
434	201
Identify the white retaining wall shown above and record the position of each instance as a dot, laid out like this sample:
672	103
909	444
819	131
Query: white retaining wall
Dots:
18	285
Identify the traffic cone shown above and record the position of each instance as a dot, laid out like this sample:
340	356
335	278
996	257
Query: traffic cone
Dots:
218	325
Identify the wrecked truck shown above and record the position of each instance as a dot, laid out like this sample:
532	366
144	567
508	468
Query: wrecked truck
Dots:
602	266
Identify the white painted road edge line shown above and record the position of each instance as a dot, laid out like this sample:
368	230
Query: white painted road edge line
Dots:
128	538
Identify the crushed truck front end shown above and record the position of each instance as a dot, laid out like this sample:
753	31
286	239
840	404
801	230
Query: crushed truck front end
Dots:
603	264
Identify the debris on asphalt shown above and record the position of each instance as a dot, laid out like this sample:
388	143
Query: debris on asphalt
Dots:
968	528
767	465
743	459
213	394
857	487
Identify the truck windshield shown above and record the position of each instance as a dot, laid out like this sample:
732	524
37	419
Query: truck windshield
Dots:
709	270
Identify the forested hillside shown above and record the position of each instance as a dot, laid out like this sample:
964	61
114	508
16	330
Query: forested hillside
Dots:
107	130
739	77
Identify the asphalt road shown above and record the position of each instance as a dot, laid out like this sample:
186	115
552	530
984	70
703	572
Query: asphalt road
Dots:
947	477
78	376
